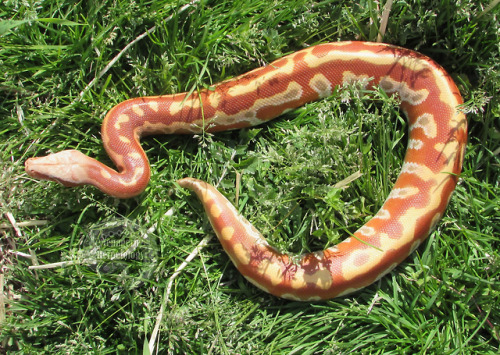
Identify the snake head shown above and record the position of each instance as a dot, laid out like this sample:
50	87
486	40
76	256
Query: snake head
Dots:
68	168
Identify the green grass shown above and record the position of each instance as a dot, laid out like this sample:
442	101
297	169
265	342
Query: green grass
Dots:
57	82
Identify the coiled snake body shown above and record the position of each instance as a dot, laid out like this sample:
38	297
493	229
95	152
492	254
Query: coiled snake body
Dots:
433	161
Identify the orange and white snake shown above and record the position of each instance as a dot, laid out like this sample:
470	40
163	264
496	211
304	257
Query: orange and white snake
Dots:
433	161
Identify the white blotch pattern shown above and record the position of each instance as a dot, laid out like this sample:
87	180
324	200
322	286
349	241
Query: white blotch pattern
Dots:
153	105
105	174
321	85
348	78
367	231
123	118
135	155
138	172
241	254
412	168
382	214
413	97
427	123
415	144
138	110
403	192
124	139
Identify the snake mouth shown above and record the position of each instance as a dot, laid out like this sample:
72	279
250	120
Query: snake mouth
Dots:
36	169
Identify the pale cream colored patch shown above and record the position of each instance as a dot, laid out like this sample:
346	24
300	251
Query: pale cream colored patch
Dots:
207	193
162	128
321	278
347	240
250	115
124	139
411	168
458	120
374	44
193	102
105	174
253	85
153	105
321	85
227	233
241	254
271	270
420	170
318	255
254	234
403	192
413	214
446	94
367	231
413	97
138	172
366	56
351	267
215	211
386	242
104	136
138	110
123	118
415	144
298	281
410	218
349	78
293	92
448	150
382	214
214	98
333	249
135	155
427	123
248	118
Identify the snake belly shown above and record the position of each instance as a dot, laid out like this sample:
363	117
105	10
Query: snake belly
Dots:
432	164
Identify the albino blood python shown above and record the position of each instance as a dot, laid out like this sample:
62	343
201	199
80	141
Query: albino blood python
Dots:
433	161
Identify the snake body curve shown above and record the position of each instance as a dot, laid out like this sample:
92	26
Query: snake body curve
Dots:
433	161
